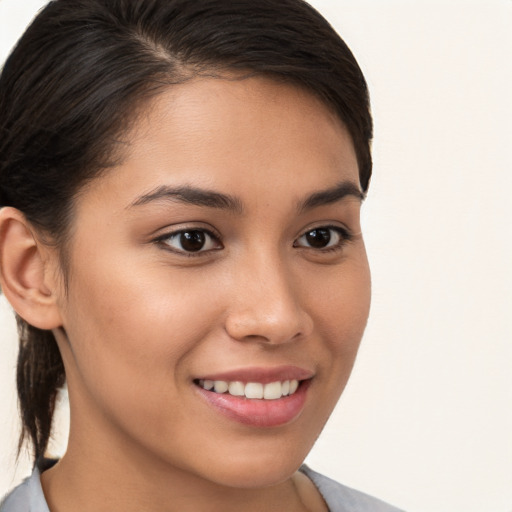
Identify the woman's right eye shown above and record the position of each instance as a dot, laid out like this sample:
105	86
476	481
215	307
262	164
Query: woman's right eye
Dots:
190	241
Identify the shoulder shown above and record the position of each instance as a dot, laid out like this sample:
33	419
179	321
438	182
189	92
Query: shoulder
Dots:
340	498
21	498
28	496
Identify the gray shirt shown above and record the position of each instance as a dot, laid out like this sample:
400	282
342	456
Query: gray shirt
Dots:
29	497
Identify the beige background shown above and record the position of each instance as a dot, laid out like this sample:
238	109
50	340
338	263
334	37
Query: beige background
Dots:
426	422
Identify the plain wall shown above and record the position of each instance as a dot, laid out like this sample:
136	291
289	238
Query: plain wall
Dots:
426	420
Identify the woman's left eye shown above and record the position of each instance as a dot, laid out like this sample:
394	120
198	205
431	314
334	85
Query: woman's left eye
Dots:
190	241
324	237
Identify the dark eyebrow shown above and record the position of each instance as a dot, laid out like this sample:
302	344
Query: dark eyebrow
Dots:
332	195
191	195
211	199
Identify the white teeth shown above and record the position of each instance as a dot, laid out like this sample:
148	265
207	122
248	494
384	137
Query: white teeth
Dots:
253	390
220	386
273	391
236	388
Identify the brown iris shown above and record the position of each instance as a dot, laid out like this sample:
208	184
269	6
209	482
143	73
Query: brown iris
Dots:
192	241
318	238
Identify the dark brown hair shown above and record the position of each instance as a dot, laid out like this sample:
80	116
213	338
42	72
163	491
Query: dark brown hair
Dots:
72	86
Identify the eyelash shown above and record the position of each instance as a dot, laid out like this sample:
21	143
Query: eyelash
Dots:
344	237
164	241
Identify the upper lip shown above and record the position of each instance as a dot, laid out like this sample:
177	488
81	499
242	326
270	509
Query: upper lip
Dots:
264	375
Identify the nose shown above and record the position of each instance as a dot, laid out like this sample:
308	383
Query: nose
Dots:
265	304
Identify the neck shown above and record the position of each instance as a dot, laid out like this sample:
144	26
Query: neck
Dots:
95	480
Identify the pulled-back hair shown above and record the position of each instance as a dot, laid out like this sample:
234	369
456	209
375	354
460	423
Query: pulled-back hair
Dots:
76	80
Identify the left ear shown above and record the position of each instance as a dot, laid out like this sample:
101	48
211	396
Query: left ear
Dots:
26	278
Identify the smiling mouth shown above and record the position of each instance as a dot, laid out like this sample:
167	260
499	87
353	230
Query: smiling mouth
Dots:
257	397
252	390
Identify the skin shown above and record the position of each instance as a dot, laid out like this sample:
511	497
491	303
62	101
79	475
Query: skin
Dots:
141	319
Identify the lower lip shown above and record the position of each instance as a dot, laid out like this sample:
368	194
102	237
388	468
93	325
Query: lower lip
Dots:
258	413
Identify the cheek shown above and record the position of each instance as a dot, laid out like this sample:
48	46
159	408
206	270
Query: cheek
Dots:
345	305
130	346
342	314
130	334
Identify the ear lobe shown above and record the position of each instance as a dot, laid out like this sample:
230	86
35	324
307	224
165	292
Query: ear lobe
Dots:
24	271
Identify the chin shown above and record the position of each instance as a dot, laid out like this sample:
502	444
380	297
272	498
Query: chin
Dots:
261	466
255	475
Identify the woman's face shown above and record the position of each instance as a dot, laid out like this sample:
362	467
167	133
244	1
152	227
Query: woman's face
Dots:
225	247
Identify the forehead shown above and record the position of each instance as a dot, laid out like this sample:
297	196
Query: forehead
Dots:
238	136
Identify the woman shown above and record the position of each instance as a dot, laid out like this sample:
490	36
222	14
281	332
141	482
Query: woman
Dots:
180	184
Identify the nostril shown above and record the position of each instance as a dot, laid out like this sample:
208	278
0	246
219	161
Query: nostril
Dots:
282	325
